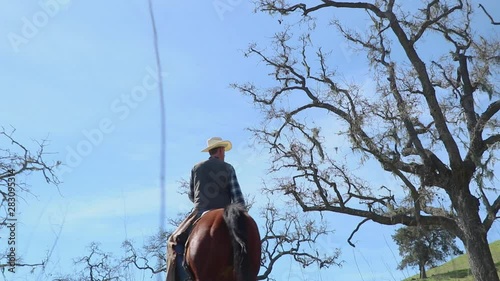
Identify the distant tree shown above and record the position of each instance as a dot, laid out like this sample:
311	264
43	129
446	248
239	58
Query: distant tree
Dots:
17	161
97	265
422	108
424	246
151	257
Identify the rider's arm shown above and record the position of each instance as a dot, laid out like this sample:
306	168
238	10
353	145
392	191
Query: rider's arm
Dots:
234	188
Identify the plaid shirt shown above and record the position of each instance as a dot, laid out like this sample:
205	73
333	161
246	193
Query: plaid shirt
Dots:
234	187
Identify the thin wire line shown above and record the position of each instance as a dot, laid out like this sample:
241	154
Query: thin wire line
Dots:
357	265
163	132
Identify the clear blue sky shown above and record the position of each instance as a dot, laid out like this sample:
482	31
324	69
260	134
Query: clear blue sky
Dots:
81	74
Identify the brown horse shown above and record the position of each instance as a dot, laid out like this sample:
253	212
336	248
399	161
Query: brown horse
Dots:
224	246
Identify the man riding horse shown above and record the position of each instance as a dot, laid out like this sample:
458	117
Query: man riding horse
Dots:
213	185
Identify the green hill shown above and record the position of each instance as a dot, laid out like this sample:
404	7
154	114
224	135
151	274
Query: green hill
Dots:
458	268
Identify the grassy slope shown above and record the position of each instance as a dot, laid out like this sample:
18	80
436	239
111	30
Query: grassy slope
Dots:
458	268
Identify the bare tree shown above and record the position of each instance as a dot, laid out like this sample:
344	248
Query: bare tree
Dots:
16	160
430	120
283	234
151	257
286	233
100	266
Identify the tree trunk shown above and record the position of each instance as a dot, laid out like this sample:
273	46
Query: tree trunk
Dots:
423	274
474	238
480	259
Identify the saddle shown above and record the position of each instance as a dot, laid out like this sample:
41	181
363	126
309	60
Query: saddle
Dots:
184	230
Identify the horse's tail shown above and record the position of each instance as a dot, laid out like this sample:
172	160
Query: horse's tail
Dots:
235	218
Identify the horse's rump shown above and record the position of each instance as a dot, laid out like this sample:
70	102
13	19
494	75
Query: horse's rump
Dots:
213	248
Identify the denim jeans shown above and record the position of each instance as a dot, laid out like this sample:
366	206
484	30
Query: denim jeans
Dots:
181	274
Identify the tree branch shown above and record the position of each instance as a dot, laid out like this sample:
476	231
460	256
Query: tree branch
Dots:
489	16
491	214
356	230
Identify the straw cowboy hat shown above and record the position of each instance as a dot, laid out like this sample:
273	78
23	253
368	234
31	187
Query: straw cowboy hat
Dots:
217	142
